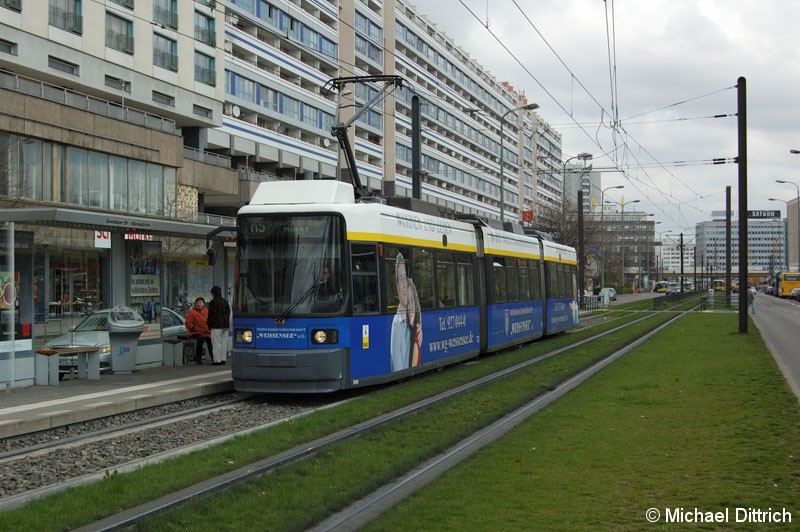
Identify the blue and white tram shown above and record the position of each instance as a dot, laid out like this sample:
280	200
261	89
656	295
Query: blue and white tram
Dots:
332	294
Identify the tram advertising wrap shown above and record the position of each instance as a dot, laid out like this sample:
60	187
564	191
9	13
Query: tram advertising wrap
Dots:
330	293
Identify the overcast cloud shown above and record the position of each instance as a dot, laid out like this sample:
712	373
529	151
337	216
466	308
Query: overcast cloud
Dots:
667	52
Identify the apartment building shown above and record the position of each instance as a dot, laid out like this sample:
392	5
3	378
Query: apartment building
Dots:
130	129
278	111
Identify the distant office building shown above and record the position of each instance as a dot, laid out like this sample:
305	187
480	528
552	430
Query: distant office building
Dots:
622	245
670	256
766	244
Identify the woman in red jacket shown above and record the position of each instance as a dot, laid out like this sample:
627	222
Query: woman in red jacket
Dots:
197	327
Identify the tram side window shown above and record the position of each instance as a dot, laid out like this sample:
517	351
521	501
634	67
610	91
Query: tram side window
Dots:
566	281
446	280
465	279
365	278
512	279
524	283
573	292
395	255
499	278
551	279
422	274
536	281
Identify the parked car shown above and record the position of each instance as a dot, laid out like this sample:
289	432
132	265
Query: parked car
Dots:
674	288
609	292
795	294
92	331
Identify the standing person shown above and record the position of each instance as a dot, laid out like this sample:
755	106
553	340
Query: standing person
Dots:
219	321
197	327
400	344
751	299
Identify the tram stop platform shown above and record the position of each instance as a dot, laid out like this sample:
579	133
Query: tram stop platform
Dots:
40	407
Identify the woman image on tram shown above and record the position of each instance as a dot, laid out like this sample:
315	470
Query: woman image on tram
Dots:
415	324
400	340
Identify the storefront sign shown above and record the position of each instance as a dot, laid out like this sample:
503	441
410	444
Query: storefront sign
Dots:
763	214
102	239
139	236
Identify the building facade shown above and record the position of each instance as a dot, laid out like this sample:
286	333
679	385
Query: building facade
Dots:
279	111
766	245
672	259
130	129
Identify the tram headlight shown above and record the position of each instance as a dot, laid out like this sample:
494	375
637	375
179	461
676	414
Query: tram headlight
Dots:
324	336
244	336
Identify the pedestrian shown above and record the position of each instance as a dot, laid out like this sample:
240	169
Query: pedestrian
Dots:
219	321
197	327
751	299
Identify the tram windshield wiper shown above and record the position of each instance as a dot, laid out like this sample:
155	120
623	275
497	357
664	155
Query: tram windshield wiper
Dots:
313	289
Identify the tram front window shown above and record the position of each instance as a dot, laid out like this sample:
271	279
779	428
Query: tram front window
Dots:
290	265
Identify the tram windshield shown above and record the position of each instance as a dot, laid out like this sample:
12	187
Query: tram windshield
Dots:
290	265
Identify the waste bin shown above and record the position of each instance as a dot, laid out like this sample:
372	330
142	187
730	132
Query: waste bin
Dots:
124	327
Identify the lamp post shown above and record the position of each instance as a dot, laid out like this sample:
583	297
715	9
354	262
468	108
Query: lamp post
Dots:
603	236
528	107
785	240
622	245
584	156
797	210
661	236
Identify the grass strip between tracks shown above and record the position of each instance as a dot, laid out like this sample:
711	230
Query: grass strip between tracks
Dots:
699	418
86	504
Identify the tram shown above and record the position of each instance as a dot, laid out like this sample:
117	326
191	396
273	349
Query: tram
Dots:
331	293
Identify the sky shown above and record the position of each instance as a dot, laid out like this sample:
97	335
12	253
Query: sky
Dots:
644	105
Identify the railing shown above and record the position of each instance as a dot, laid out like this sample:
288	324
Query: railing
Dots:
164	59
213	219
593	303
717	301
223	161
205	35
246	174
78	100
119	41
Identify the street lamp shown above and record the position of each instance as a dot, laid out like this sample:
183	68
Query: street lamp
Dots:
661	236
797	210
528	107
622	244
786	240
603	236
584	156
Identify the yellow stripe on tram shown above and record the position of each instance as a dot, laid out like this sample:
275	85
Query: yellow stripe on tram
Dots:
408	241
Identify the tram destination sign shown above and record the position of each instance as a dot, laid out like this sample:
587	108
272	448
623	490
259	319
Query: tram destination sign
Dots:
763	214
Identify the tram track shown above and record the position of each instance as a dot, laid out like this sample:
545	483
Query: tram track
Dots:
307	449
46	462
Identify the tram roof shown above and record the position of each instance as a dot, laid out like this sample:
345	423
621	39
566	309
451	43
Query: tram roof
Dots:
103	221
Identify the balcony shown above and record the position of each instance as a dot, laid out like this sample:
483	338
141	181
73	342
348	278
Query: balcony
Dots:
165	17
66	20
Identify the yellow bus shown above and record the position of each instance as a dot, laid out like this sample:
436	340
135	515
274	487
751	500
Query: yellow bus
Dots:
785	282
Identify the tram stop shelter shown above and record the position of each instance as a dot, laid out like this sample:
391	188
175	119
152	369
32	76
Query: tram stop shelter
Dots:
135	261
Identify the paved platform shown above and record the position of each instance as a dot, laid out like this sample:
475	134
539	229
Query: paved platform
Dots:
34	408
